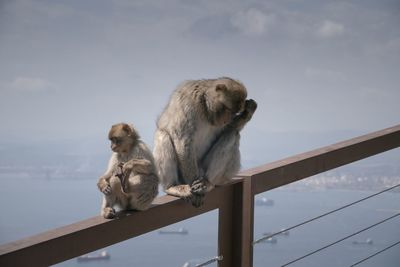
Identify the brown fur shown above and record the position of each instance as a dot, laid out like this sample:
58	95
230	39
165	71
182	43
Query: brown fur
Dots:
130	180
197	137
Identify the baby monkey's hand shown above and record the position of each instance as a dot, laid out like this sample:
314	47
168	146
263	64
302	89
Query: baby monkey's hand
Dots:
104	187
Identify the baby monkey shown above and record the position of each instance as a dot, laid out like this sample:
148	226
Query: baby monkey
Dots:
130	181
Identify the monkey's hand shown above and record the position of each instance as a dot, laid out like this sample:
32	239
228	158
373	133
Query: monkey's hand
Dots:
200	186
104	187
119	171
125	170
241	119
250	106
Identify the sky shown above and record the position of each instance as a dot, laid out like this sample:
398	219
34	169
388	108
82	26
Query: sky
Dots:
71	69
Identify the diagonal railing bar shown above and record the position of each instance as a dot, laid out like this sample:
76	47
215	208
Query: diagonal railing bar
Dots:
325	214
215	259
375	254
340	240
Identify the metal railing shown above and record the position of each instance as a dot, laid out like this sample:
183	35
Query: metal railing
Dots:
235	204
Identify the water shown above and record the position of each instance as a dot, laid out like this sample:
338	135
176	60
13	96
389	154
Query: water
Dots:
292	208
36	205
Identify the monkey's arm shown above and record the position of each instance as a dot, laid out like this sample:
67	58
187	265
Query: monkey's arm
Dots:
104	181
104	185
223	159
142	166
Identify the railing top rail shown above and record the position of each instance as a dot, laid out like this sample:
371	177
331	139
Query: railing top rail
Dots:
70	241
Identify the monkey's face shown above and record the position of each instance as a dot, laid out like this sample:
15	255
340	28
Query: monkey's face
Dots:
230	103
121	144
116	143
234	105
122	138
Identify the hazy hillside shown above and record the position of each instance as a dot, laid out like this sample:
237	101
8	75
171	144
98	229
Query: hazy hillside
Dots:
87	158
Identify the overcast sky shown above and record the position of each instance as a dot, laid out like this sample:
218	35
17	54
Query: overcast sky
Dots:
71	69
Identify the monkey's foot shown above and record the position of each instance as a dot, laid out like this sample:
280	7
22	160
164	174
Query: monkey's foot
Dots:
197	200
200	186
108	213
182	191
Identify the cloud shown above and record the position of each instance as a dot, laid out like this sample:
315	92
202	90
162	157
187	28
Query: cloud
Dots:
252	21
29	84
324	74
214	26
330	29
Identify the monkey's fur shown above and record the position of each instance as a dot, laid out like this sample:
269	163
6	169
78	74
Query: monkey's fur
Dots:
130	181
197	136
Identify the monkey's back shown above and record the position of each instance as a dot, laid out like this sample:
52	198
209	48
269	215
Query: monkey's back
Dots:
185	113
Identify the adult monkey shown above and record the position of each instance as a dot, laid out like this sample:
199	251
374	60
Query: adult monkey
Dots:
197	136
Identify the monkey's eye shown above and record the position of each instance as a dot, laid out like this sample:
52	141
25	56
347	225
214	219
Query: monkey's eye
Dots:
228	109
116	140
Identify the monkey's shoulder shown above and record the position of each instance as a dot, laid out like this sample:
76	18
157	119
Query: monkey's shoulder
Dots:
141	150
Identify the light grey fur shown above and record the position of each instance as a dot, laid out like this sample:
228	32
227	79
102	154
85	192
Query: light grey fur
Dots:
197	148
141	185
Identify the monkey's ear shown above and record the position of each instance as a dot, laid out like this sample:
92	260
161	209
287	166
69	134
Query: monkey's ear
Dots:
221	88
127	128
132	132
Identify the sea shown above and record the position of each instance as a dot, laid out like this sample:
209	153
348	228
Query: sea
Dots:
34	205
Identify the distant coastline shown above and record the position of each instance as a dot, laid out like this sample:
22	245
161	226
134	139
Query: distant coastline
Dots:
346	182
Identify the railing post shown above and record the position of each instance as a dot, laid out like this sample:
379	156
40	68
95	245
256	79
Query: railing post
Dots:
236	225
225	228
247	220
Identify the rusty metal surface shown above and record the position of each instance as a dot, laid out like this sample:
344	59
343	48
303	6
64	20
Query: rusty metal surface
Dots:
235	202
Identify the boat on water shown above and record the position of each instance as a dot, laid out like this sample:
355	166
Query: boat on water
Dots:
284	232
94	256
281	232
264	202
368	241
270	240
180	231
202	263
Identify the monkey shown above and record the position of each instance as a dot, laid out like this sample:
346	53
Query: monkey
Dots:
130	180
196	143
